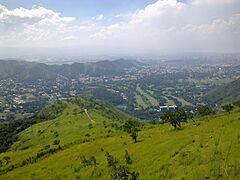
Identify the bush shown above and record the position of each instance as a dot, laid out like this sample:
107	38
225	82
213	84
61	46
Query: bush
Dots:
89	162
204	110
228	107
112	161
56	142
127	157
237	103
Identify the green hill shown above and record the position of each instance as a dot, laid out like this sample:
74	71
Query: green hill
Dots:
31	71
23	70
99	68
224	94
75	145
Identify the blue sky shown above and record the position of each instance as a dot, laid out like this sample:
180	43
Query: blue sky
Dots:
122	27
82	8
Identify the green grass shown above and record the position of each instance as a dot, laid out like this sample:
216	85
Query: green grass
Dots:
152	100
140	102
209	149
145	99
184	102
169	101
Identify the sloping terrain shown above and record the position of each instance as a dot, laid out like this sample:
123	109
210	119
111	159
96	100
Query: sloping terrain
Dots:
23	70
32	71
224	94
58	148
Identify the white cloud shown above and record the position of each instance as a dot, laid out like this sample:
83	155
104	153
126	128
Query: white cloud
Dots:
217	27
39	15
214	2
98	17
34	27
159	10
69	38
166	25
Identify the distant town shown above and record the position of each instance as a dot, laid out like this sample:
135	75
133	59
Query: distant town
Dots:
149	87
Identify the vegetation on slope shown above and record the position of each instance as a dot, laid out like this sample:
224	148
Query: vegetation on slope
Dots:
207	148
32	71
10	129
224	94
74	121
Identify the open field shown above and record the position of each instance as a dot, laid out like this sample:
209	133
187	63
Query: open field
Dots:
147	98
140	102
184	102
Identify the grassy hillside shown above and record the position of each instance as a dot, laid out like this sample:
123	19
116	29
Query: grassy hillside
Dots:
64	123
208	149
224	94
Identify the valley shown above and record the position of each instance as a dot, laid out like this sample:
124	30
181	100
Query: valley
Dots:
139	89
147	122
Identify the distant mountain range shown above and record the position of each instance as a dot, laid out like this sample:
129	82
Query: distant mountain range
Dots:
224	94
31	71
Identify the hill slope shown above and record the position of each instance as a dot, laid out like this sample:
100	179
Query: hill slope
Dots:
209	149
63	124
23	70
31	71
224	94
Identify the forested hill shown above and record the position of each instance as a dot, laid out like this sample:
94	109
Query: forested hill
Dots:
24	70
31	71
224	94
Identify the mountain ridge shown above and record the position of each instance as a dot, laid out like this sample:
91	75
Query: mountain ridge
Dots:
31	71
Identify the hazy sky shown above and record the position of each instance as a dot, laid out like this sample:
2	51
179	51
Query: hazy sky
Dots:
128	27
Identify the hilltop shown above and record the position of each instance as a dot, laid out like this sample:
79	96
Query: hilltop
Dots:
79	141
32	71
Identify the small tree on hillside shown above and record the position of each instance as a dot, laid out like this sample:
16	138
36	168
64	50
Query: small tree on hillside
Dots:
228	108
237	103
112	161
127	157
134	136
56	142
176	117
132	127
170	117
204	110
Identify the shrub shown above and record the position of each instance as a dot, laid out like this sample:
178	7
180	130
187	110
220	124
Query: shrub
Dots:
56	142
112	161
228	107
127	157
89	162
204	110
